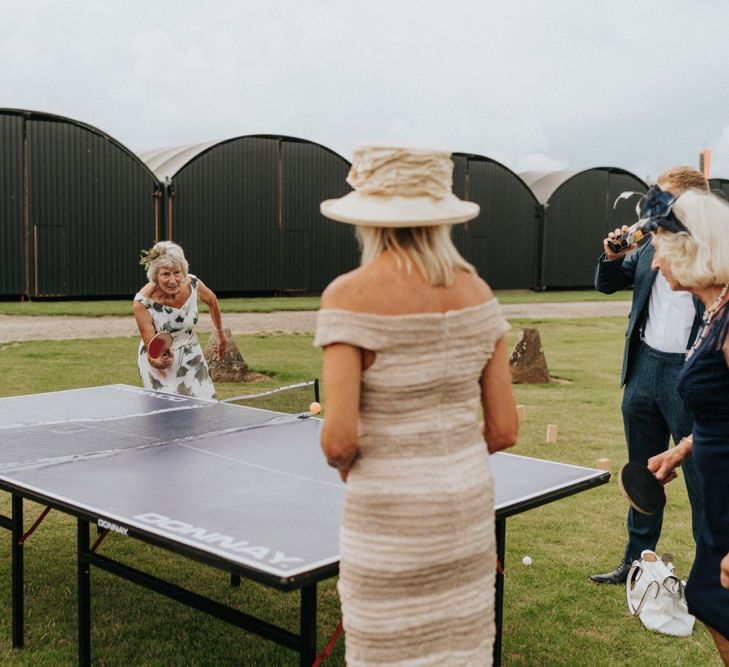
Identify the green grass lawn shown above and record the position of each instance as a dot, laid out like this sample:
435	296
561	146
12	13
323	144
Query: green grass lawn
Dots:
121	307
552	614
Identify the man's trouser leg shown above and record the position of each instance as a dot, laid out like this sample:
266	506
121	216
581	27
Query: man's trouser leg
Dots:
647	434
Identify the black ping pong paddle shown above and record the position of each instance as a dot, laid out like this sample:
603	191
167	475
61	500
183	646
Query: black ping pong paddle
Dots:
644	492
159	345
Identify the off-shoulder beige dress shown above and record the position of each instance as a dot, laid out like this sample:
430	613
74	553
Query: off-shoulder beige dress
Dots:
417	535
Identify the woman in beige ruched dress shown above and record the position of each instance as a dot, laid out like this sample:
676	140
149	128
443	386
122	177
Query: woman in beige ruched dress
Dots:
413	346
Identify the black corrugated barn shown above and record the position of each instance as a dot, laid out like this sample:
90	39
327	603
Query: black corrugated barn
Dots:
503	241
76	208
578	213
720	186
246	211
12	246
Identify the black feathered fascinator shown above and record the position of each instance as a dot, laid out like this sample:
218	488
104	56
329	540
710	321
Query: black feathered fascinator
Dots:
655	210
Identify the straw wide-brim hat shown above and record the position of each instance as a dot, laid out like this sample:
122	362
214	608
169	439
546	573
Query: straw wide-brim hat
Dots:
400	187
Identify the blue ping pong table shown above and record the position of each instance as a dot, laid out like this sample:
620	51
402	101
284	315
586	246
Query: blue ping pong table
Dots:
241	489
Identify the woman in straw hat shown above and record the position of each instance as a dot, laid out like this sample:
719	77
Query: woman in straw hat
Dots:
413	344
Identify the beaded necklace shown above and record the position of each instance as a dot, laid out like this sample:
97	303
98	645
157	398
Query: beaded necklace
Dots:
708	316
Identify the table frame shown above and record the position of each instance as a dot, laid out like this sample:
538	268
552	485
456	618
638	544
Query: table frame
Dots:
304	643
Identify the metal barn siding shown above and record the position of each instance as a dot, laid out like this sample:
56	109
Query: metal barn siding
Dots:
91	208
503	241
720	186
314	249
225	212
12	260
578	213
246	211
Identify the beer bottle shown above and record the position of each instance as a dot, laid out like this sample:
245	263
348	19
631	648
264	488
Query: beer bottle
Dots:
634	234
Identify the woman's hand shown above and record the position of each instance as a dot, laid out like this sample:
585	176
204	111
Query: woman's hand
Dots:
221	346
160	363
343	468
207	296
724	571
614	236
663	465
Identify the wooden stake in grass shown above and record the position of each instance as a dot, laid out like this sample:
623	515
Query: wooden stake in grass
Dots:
551	433
521	413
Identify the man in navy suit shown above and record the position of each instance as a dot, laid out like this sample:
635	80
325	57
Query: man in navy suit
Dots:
662	326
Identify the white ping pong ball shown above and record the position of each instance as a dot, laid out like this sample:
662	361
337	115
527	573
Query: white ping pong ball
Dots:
315	408
527	560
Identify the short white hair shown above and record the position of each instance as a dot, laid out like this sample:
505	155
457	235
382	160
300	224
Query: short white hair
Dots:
699	258
165	254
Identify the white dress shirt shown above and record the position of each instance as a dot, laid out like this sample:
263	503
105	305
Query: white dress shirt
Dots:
670	317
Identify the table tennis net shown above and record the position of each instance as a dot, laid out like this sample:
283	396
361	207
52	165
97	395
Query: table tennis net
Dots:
54	442
291	399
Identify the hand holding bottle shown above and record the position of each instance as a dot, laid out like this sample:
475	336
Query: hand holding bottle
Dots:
622	240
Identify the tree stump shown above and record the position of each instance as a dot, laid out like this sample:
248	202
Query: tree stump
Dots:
527	362
232	367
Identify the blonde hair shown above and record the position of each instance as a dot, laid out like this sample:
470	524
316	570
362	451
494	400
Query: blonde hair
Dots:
164	254
700	258
684	177
430	249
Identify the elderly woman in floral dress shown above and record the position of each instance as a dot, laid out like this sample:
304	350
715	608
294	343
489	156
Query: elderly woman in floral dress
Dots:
168	302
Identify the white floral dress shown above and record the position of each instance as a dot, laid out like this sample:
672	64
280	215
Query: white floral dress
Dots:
189	374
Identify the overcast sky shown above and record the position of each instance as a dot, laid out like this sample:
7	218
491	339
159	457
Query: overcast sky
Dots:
573	84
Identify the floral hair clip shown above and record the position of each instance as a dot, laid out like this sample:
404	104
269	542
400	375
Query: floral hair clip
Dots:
655	210
146	257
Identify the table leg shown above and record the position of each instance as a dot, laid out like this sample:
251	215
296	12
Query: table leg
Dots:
17	571
499	592
84	594
308	625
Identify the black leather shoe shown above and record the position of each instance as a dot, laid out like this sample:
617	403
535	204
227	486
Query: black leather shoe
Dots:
618	576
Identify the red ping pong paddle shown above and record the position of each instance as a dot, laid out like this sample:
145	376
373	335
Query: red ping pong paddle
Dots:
644	492
159	345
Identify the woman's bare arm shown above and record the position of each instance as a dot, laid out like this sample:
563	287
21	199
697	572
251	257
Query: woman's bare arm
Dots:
342	370
145	324
207	296
501	424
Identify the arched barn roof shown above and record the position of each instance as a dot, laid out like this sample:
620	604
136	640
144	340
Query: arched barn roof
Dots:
30	114
76	204
578	213
544	183
509	218
260	195
166	162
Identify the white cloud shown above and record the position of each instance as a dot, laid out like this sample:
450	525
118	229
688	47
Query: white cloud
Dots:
569	84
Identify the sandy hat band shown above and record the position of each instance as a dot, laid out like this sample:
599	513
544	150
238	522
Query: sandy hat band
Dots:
400	187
